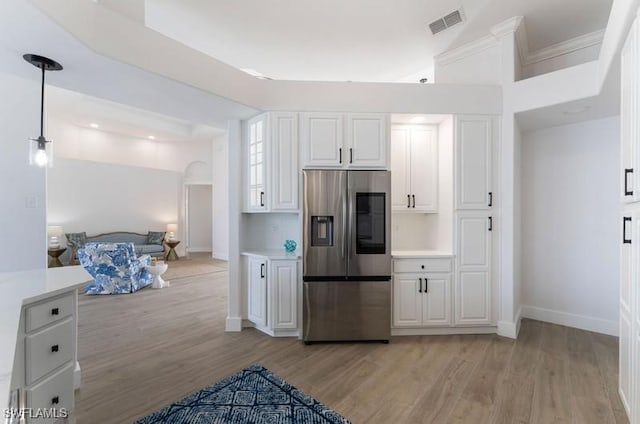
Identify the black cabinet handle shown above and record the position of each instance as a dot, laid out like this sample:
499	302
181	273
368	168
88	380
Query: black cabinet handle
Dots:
625	240
55	400
413	196
55	311
490	198
419	285
426	285
350	155
408	200
261	270
340	154
262	198
490	223
55	348
627	192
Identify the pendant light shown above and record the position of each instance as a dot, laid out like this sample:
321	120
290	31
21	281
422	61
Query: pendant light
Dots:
40	151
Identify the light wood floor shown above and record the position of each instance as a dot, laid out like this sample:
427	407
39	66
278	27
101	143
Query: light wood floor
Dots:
143	351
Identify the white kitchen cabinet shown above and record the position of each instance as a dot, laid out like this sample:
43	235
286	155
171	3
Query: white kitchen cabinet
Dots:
421	299
367	140
283	294
284	162
473	136
333	140
257	291
414	168
256	164
473	282
272	294
272	163
629	351
322	138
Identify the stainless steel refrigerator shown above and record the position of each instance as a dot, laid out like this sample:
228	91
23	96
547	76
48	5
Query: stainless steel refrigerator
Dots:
347	255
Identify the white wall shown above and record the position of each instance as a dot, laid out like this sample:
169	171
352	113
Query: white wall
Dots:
22	187
562	61
570	224
99	197
74	142
200	218
517	220
220	249
454	67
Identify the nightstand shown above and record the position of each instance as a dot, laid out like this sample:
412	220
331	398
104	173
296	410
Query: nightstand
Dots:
172	255
55	256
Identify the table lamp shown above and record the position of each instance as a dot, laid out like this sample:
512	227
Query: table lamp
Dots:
172	229
54	234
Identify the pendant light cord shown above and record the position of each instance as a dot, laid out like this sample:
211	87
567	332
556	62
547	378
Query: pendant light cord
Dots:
42	104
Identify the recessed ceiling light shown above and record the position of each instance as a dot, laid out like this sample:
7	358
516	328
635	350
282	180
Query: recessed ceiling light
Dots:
151	137
417	119
93	125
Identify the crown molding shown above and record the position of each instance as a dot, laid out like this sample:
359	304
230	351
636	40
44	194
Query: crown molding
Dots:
507	27
465	50
565	47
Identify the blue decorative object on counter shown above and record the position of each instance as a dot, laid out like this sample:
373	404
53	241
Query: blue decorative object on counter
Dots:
290	246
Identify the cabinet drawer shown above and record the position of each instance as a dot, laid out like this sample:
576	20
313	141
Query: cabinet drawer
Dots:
422	265
54	392
49	349
50	311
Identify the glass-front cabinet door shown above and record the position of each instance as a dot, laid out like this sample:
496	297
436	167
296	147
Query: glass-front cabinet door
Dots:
256	178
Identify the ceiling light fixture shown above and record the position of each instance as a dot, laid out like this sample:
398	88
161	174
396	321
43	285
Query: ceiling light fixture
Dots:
151	137
40	150
417	119
92	125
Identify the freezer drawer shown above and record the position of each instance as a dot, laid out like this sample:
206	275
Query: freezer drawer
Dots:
347	310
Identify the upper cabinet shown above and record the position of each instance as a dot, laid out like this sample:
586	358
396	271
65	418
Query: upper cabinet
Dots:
414	168
473	136
271	173
328	142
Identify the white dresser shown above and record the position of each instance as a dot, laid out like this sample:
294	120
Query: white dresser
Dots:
39	368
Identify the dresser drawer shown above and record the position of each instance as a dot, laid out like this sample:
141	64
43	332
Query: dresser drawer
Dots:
422	265
45	313
49	349
54	392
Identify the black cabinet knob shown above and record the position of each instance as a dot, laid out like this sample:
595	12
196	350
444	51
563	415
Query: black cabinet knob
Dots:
55	348
55	311
55	400
422	266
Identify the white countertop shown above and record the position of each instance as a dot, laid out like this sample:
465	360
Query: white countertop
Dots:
404	254
273	254
21	288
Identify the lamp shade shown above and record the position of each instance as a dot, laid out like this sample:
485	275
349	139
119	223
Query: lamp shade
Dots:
54	235
172	229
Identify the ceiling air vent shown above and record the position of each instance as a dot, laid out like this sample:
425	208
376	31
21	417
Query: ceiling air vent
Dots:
443	23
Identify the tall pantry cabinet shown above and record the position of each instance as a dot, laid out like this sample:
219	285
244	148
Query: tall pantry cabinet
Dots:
474	139
629	366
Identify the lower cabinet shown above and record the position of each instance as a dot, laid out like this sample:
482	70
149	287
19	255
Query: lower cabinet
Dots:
421	300
272	298
422	292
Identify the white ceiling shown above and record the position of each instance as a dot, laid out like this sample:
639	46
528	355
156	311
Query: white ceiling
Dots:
87	111
355	40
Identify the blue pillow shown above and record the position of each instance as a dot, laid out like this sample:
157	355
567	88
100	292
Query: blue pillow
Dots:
155	237
77	240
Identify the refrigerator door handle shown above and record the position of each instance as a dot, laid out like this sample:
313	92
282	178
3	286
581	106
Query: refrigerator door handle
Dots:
344	221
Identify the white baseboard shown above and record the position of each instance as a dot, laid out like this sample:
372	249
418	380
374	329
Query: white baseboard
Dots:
582	322
198	249
437	331
223	256
233	324
510	329
77	376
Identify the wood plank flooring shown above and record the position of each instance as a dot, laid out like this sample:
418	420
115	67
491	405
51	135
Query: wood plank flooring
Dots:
143	351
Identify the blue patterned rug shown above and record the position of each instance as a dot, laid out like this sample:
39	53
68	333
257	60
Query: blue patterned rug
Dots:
254	395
